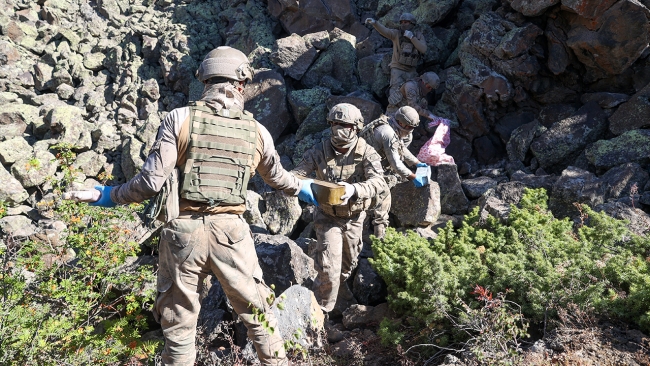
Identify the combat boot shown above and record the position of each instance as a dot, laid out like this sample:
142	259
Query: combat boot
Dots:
380	231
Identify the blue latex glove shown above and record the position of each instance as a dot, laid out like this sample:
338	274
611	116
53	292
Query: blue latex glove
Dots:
423	165
420	181
105	198
306	194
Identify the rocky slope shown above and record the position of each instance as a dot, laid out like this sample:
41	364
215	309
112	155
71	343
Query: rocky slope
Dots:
546	94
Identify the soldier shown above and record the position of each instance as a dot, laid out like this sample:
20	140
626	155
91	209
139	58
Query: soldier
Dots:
216	145
408	49
391	136
349	161
413	94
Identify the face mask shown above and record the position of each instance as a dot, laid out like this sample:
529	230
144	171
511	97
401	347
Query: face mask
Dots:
224	94
405	27
401	131
343	138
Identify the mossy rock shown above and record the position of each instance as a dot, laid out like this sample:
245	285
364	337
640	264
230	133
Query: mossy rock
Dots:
630	147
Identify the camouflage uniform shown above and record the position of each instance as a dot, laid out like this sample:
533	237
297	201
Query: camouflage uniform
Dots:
339	228
206	239
394	152
412	96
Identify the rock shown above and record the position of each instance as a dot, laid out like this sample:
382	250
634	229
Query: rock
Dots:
415	206
253	215
89	163
266	98
359	316
619	180
35	169
532	8
312	16
15	118
319	40
559	54
618	38
566	138
626	118
11	191
304	100
474	188
373	75
497	201
433	12
17	226
337	63
535	181
575	185
521	138
132	157
639	221
286	211
604	99
510	122
294	55
552	113
316	121
94	61
587	8
300	318
213	308
632	146
488	149
452	197
370	109
283	262
368	287
8	53
68	124
14	149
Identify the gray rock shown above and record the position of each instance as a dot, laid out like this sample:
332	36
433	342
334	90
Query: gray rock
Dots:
368	287
90	163
628	116
433	12
575	185
316	121
35	169
94	61
604	99
253	214
69	126
373	76
415	206
17	226
566	138
294	55
8	53
11	191
639	221
521	138
338	62
285	214
319	40
313	16
532	8
132	157
150	89
213	308
266	98
474	188
300	318
535	181
497	201
619	180
452	197
283	262
358	316
304	100
14	149
15	118
65	91
632	146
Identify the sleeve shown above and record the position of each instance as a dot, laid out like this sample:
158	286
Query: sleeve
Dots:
391	34
419	43
270	168
374	174
413	98
391	145
409	158
159	164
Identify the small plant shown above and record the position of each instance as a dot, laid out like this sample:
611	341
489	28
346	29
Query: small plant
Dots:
33	163
3	209
66	158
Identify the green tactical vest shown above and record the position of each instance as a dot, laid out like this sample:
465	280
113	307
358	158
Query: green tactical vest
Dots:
220	153
409	55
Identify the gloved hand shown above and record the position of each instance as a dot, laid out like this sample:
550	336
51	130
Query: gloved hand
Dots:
420	181
370	21
408	34
349	192
91	195
104	198
306	194
421	164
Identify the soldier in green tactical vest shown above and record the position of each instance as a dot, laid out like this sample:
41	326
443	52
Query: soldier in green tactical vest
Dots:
348	160
212	146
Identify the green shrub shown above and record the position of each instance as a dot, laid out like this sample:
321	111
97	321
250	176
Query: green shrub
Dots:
542	263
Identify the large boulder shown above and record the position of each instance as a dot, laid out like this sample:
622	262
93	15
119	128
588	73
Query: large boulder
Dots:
89	163
336	67
373	73
11	191
303	17
631	146
620	180
520	140
357	316
639	221
304	100
532	8
266	98
433	12
476	187
568	137
15	118
14	149
615	39
35	169
299	316
67	123
498	200
17	226
283	262
294	55
632	114
415	206
132	158
284	213
316	121
575	186
452	197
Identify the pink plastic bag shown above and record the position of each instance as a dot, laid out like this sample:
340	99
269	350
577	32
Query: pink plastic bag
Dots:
433	151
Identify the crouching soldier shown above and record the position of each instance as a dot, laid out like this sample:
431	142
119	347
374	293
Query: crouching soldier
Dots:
413	94
349	161
216	145
391	137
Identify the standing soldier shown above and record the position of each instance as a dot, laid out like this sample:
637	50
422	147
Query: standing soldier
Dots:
413	94
391	137
349	161
216	145
408	49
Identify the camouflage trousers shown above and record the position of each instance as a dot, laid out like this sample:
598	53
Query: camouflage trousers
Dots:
399	77
382	202
190	248
335	255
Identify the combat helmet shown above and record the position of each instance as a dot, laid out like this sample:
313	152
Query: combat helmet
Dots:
408	116
431	78
225	62
408	17
346	113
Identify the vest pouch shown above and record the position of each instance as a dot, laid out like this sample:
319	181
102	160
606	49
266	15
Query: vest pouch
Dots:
395	97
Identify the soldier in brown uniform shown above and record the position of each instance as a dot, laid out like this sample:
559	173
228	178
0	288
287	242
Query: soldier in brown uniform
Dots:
349	161
413	94
216	145
409	48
